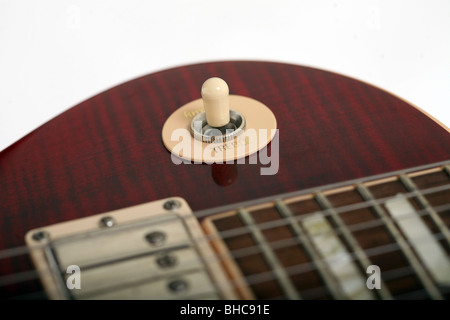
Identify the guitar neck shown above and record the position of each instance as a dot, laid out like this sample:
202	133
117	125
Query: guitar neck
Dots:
322	244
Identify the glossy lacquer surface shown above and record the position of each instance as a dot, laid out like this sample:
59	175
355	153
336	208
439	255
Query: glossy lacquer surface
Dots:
106	153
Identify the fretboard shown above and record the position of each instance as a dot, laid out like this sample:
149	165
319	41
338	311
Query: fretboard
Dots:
326	243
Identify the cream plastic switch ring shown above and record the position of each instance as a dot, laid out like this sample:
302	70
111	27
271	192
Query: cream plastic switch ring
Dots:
218	127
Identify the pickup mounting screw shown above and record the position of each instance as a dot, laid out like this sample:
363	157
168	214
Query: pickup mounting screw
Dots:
172	205
40	236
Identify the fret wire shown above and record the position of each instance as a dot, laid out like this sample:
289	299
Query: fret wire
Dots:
329	279
270	256
412	187
423	276
362	258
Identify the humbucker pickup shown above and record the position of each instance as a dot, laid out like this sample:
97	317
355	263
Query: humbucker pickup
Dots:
150	251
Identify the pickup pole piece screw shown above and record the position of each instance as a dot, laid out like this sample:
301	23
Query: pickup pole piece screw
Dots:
156	238
178	286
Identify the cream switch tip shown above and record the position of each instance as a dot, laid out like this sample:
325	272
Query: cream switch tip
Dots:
215	95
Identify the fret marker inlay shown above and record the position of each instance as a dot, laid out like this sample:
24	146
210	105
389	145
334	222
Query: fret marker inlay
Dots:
421	239
337	258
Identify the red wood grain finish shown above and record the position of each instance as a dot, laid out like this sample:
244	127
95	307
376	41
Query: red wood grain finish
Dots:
106	153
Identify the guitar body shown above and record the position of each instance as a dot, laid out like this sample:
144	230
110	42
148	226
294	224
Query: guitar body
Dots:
106	153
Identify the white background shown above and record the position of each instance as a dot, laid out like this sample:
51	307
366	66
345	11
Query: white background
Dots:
56	53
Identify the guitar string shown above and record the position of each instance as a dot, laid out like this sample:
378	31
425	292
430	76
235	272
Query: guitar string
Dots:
20	250
267	276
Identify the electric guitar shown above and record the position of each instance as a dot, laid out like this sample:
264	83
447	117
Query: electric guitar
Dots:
93	204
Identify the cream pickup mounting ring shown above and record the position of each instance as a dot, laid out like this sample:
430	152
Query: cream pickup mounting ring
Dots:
219	127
